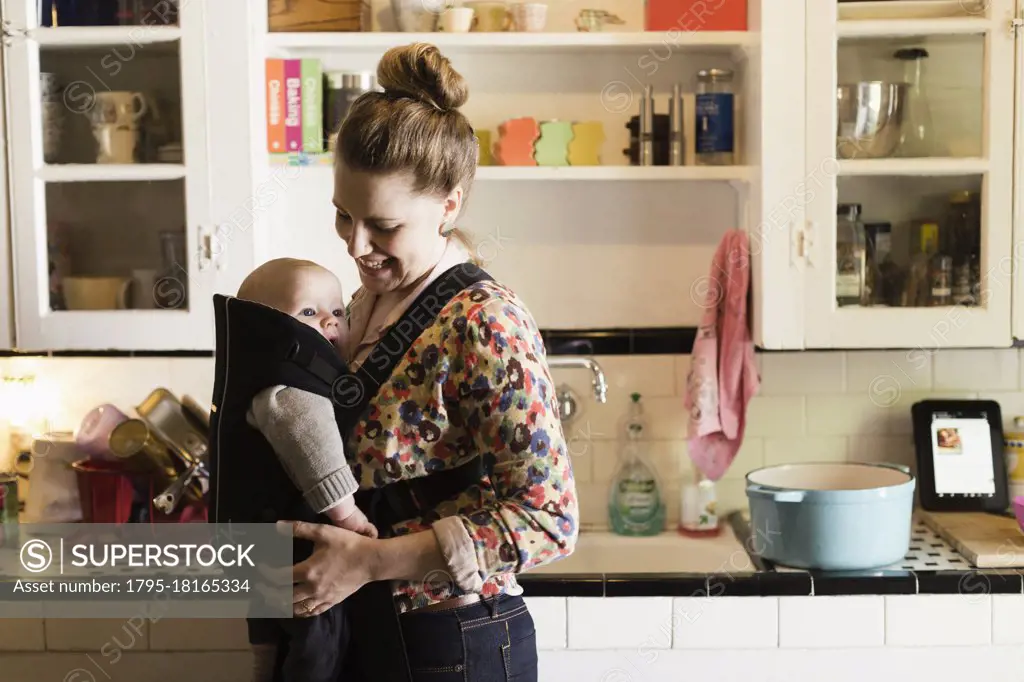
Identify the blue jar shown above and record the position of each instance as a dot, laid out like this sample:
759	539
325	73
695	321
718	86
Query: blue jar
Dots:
714	119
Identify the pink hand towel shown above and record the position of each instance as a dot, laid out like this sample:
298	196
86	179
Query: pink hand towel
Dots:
723	375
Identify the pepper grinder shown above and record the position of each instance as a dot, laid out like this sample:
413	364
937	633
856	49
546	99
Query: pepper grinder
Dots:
675	118
646	124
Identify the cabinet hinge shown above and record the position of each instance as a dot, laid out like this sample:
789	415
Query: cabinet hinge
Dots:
1016	24
205	240
8	32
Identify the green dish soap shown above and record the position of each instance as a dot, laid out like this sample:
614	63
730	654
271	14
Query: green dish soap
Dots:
635	506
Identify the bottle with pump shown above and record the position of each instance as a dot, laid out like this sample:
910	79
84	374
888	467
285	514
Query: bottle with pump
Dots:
635	506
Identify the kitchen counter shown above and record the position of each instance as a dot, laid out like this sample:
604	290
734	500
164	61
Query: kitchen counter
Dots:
671	565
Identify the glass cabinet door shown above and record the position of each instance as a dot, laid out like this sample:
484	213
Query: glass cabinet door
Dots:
109	182
910	167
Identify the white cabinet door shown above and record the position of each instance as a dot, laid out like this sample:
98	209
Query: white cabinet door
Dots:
775	133
918	299
112	229
1018	184
6	307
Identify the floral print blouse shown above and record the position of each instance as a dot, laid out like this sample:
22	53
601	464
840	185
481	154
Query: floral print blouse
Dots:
475	383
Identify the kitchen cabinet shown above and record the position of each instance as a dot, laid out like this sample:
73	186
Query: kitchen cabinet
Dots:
119	200
608	246
967	52
7	314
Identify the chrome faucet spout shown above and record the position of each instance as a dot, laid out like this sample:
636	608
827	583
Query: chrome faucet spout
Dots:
599	383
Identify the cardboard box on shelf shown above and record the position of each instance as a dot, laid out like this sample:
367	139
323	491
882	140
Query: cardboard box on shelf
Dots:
696	15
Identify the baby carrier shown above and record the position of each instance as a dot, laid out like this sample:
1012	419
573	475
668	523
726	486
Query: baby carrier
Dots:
259	347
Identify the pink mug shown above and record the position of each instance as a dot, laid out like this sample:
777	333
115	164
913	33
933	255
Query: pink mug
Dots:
93	437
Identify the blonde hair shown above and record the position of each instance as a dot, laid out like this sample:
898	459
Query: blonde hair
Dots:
414	126
265	283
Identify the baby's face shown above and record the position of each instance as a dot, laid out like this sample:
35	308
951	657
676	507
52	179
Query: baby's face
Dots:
314	299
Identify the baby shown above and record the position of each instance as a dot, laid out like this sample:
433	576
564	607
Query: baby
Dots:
302	429
299	425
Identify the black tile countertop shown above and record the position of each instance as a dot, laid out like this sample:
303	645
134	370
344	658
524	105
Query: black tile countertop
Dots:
759	578
772	584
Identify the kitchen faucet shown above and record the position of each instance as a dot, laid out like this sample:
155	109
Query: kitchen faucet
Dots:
600	385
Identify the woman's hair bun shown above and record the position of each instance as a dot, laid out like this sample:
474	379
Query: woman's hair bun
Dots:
421	72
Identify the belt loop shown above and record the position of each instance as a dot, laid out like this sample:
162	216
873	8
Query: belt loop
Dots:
492	606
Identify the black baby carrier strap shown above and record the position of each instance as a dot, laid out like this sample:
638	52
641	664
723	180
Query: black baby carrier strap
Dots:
377	639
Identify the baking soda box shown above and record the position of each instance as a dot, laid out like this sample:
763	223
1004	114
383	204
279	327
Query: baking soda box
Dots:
312	107
293	105
276	139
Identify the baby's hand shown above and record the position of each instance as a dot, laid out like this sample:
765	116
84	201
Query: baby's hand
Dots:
358	523
347	515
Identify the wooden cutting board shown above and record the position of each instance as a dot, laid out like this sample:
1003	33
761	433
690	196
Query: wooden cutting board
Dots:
986	540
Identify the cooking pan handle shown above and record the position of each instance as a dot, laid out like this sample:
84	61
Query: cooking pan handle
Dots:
756	490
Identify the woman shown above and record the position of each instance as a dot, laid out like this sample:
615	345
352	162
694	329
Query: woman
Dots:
473	385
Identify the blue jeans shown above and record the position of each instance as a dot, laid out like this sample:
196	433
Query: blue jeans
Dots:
490	641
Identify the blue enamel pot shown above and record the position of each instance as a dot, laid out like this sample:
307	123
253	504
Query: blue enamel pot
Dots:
831	516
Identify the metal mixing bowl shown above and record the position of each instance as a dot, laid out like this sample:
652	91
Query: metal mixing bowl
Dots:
870	116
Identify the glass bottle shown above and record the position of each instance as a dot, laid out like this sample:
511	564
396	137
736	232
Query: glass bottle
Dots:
171	291
919	281
635	505
940	271
851	255
878	243
963	228
916	138
715	109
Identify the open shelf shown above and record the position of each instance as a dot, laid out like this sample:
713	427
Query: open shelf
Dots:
926	166
102	172
88	36
693	173
896	28
725	41
528	173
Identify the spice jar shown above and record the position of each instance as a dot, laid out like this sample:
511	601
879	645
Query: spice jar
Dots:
715	107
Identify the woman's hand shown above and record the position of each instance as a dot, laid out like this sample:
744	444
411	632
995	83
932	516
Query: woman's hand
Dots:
341	563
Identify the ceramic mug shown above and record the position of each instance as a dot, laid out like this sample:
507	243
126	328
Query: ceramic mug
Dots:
96	293
490	16
116	143
120	106
529	16
413	16
456	20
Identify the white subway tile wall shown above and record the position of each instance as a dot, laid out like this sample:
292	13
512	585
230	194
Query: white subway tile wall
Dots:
812	406
726	622
1008	619
831	622
550	617
652	638
938	620
602	623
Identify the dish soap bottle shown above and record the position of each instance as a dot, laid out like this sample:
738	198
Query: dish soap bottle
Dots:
635	506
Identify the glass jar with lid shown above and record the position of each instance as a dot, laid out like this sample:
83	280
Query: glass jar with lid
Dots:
714	118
